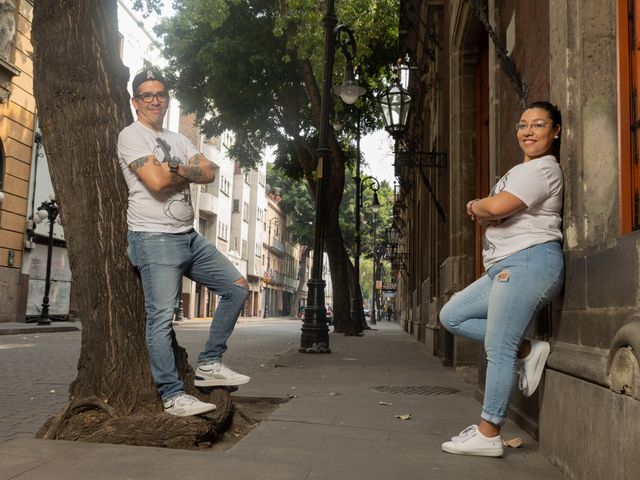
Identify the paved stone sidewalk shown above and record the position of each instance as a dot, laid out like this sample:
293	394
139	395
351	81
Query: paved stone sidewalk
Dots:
341	422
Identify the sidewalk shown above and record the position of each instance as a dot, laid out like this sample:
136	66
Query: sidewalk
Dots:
334	427
22	328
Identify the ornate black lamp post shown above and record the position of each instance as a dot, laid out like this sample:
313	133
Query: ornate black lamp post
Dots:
315	333
47	211
374	185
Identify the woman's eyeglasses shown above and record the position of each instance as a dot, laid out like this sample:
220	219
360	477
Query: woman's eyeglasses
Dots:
535	125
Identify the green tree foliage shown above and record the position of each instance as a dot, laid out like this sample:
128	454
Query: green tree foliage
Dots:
296	203
236	65
255	67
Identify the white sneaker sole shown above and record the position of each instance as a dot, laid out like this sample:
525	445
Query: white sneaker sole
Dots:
195	411
537	373
485	452
217	382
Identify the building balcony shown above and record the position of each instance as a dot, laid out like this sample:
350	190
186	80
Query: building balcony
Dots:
208	203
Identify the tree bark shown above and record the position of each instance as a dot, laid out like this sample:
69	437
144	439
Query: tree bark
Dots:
333	240
81	92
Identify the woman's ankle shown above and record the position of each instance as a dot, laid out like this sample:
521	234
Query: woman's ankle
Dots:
489	429
525	348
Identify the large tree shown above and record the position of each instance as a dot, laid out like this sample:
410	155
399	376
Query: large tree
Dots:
83	103
255	66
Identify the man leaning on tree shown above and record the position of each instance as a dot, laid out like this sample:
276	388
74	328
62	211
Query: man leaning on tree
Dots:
158	166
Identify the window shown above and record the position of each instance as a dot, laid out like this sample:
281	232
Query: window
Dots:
202	226
628	34
245	213
236	205
224	185
244	249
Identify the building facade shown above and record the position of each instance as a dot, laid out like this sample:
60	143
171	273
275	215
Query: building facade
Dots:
17	134
472	66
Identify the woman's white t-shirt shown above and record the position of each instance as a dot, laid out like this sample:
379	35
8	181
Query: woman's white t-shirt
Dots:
539	184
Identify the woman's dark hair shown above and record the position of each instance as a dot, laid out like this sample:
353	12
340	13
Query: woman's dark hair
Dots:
556	118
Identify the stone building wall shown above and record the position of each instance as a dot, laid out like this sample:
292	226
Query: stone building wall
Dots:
17	123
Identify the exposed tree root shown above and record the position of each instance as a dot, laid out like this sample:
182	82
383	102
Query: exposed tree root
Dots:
92	420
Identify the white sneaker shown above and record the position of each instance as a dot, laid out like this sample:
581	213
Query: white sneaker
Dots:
184	405
218	374
530	368
471	442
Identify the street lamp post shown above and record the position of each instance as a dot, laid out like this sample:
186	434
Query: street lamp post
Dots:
356	304
374	185
48	211
315	333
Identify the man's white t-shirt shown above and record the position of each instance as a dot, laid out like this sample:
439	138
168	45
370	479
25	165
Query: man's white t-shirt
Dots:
166	212
539	184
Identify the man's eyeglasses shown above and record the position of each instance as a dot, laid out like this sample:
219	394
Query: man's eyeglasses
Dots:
148	97
536	125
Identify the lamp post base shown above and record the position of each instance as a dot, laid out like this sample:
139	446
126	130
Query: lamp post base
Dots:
315	333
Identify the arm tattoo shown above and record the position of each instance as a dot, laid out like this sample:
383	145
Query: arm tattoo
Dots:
136	164
196	159
192	173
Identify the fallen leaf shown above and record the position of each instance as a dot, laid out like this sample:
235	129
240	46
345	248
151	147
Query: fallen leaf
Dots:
385	403
513	442
52	391
406	416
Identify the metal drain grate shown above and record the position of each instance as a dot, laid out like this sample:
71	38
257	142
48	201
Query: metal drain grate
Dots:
417	389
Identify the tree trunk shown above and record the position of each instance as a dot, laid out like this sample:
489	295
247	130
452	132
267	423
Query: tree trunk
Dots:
333	240
302	278
81	92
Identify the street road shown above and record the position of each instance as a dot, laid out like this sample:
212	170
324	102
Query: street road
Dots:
36	369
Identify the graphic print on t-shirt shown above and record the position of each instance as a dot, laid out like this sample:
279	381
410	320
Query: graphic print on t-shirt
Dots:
178	206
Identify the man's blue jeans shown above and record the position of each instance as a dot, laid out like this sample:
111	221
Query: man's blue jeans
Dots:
498	309
163	259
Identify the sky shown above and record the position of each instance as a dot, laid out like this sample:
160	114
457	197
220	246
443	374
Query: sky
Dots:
377	153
